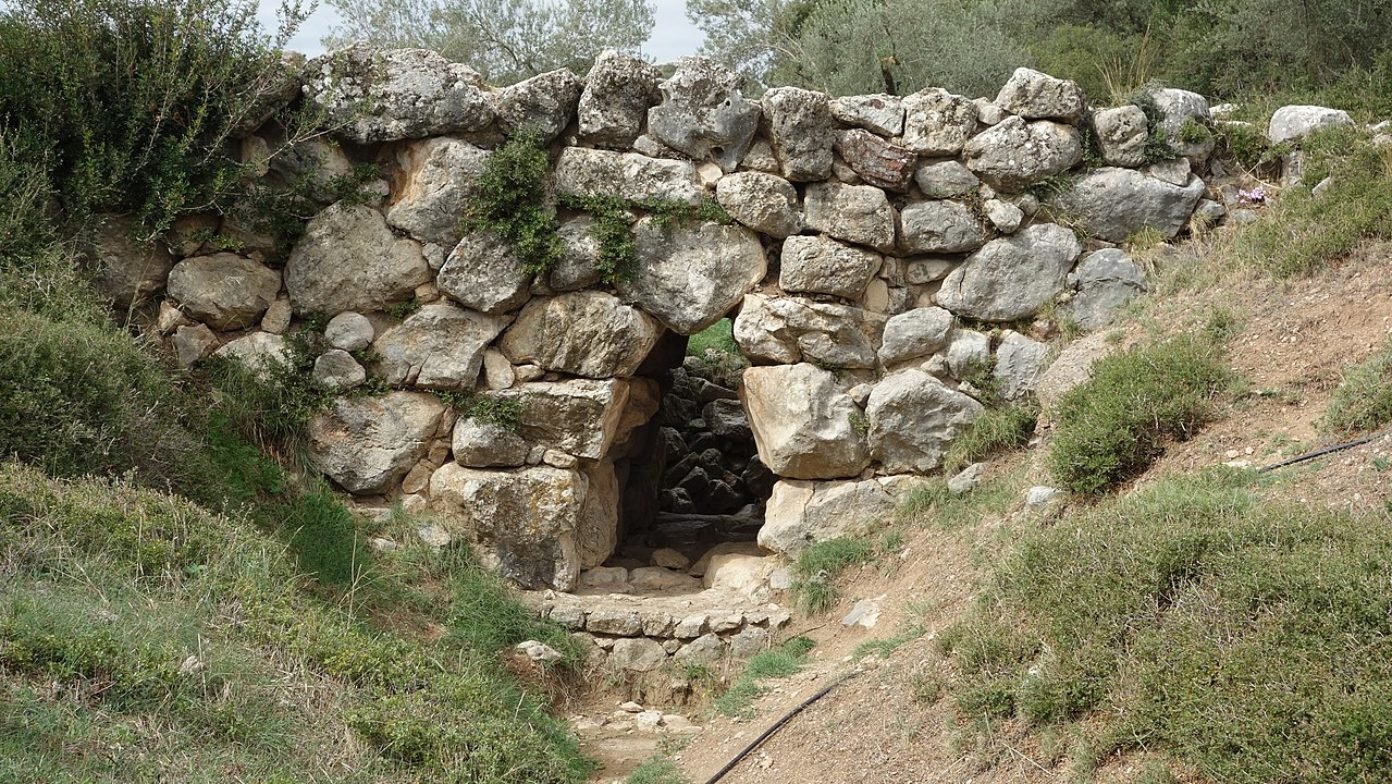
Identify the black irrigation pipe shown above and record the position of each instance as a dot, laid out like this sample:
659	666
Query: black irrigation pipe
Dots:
778	725
1323	451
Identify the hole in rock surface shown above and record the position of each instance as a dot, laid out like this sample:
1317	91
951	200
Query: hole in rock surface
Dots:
700	483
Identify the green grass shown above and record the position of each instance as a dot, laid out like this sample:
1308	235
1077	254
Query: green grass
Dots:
1363	400
781	662
934	505
718	337
1247	637
996	430
110	589
658	770
1114	425
1301	233
817	567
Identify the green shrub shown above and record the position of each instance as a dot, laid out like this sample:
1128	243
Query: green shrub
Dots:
1114	425
1196	618
1363	401
1302	232
995	430
510	202
1243	143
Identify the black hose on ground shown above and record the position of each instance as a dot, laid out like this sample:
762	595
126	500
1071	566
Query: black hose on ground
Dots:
1323	451
778	725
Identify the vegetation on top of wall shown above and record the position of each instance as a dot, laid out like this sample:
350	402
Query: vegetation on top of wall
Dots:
1192	605
1114	425
511	202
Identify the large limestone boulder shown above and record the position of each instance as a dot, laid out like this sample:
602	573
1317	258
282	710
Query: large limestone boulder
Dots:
259	352
938	123
704	114
1012	277
1291	123
1019	362
438	347
877	161
543	104
821	265
690	275
1039	96
939	226
764	202
588	333
579	417
349	260
128	272
1113	203
619	90
584	172
381	95
920	332
367	444
787	330
578	267
881	114
438	179
523	522
800	131
479	444
1178	107
1122	134
224	291
1016	154
945	179
802	513
597	532
854	213
1107	280
484	273
804	422
913	418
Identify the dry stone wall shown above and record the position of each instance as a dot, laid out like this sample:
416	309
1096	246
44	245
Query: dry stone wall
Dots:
888	259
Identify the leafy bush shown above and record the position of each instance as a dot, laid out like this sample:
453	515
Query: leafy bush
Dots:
1190	606
1115	424
1363	401
511	202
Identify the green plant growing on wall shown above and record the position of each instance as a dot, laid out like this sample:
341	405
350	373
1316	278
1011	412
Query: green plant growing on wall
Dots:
503	412
511	202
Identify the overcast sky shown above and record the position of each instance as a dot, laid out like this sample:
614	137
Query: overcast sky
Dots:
673	36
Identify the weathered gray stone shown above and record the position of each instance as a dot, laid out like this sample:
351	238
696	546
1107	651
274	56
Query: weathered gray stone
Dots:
336	369
1038	96
128	272
706	649
913	418
927	269
854	213
937	122
379	95
1006	217
366	444
484	273
584	172
749	641
918	333
193	343
545	104
1174	171
480	444
690	276
802	513
1291	123
1107	280
579	417
800	132
945	179
803	422
788	330
1113	204
225	291
883	114
587	333
258	352
939	226
521	521
877	161
1122	133
277	317
764	202
967	351
1019	361
704	114
349	331
821	265
439	347
1178	107
1012	277
966	480
314	164
619	90
439	177
349	260
578	267
1016	154
623	623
